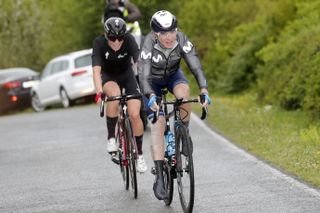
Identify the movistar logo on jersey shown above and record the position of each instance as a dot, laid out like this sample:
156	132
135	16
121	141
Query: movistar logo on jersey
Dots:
188	47
122	56
157	59
145	56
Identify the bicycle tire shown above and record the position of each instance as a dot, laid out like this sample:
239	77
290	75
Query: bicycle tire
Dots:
184	168
123	164
168	182
131	156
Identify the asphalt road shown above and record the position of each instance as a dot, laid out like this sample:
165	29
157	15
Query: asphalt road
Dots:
56	161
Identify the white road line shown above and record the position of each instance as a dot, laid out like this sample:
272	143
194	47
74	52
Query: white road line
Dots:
274	171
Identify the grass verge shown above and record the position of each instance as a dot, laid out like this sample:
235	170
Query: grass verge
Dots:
287	139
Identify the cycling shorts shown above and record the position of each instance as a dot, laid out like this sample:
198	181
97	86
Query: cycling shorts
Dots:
170	82
125	80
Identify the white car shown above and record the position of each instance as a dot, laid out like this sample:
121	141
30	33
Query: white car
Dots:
65	79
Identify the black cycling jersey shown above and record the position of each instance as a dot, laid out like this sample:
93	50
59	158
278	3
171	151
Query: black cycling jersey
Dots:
114	62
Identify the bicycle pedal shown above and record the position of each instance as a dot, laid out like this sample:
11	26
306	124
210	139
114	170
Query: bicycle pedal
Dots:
112	153
153	171
115	160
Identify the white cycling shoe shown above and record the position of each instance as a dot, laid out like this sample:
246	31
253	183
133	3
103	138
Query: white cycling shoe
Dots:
141	164
111	145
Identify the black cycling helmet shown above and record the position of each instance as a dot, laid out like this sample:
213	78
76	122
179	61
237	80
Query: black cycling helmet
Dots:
163	21
115	27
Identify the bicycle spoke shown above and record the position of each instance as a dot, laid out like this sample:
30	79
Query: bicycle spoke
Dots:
185	172
123	165
131	158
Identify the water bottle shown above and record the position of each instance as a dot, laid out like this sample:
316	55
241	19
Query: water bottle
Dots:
171	150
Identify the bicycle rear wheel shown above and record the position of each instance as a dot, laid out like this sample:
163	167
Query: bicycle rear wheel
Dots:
131	156
184	168
124	168
168	182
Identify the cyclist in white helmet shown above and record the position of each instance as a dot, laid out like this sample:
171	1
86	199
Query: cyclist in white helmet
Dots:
159	67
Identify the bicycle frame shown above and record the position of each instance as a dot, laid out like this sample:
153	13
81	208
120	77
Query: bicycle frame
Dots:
123	116
127	151
174	167
120	132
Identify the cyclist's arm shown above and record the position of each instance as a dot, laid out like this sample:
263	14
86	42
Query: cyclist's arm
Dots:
134	53
96	64
97	79
133	12
192	60
144	64
133	48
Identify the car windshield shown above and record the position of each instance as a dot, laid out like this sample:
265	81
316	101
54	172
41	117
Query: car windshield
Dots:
83	61
12	74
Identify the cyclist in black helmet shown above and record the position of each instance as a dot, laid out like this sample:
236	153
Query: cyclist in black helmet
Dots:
112	58
159	67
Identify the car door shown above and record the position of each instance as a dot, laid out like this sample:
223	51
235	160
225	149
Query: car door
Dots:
48	88
62	75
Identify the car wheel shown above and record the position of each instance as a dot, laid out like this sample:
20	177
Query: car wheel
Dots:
66	102
36	104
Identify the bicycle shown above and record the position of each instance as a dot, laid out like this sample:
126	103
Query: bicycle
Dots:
127	152
180	165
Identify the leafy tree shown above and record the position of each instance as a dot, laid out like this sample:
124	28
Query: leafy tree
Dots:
289	77
19	33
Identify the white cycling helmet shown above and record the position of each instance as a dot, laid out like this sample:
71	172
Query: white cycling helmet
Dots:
163	21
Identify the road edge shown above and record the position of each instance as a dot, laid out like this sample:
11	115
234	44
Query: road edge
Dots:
309	189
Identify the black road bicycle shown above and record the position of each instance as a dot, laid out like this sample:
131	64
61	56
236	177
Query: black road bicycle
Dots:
127	153
180	165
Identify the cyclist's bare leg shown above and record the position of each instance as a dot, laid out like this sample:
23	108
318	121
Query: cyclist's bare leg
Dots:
182	91
111	88
134	115
137	126
157	146
157	153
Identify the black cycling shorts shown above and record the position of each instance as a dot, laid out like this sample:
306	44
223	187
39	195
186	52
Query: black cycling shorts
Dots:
125	80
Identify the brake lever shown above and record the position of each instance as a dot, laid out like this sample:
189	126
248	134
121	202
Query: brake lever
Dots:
156	113
204	113
204	109
103	96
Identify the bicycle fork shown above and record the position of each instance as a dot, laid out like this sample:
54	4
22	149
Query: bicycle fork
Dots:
121	150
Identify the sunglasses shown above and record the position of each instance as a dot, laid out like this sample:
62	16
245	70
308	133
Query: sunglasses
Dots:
114	38
163	33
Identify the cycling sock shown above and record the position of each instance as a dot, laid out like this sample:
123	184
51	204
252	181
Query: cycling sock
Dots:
139	144
111	125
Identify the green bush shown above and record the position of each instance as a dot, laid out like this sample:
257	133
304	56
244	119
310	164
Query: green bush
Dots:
32	32
234	56
207	24
289	74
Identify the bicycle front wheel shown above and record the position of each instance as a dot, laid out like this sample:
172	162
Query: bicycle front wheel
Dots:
131	156
184	168
123	163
